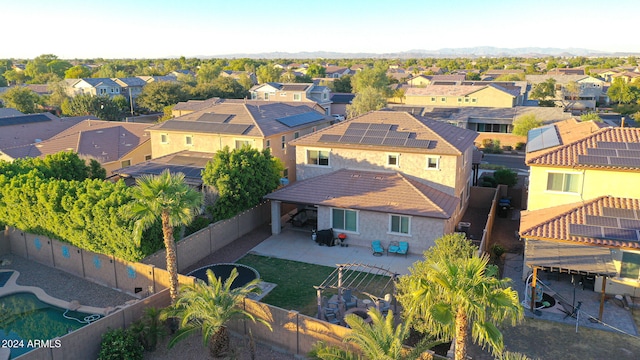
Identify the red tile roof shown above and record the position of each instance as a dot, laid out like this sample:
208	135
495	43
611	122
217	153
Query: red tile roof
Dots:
567	155
553	223
388	192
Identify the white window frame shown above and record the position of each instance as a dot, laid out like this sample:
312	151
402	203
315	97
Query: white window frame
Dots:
188	140
437	167
319	153
399	232
564	183
333	226
243	141
393	155
122	163
164	138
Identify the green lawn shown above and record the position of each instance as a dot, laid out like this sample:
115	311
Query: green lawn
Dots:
296	281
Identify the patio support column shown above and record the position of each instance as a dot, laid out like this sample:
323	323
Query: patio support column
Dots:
275	217
340	290
604	285
534	279
319	295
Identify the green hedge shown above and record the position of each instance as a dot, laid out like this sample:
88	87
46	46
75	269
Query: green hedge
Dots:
83	213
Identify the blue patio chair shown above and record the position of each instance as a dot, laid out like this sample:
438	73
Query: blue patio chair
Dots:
393	247
403	248
376	247
350	301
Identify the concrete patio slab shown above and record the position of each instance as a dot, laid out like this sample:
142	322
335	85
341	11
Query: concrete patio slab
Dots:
292	244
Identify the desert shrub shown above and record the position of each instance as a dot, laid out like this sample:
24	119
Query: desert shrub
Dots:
119	344
505	177
521	146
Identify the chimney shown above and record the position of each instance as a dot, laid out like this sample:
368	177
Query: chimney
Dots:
622	122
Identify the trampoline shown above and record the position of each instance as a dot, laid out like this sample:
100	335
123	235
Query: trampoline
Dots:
223	270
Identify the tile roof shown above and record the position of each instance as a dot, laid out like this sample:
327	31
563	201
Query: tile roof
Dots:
569	131
389	192
568	155
457	90
553	224
445	139
196	105
104	141
190	163
342	98
100	81
258	117
22	134
130	81
560	79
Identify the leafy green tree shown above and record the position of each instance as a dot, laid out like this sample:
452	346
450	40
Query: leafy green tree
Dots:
371	77
510	77
316	71
453	295
341	85
621	92
22	99
58	67
222	87
167	198
156	95
77	72
58	94
369	99
524	123
103	107
14	77
241	177
544	90
207	307
506	177
208	72
245	81
591	116
39	65
268	73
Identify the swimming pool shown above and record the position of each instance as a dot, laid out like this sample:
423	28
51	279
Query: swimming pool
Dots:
24	317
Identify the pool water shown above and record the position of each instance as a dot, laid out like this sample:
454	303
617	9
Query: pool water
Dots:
4	277
24	317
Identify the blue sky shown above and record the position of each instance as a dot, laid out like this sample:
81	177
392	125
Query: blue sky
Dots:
162	28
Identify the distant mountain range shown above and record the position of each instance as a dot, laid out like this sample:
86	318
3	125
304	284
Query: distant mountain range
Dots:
470	52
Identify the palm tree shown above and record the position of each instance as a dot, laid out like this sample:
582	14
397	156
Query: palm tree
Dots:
168	197
377	341
450	292
208	306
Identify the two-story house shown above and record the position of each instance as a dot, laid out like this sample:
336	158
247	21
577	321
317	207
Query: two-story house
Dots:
584	204
92	86
425	80
459	95
131	87
113	144
236	123
385	175
303	92
575	92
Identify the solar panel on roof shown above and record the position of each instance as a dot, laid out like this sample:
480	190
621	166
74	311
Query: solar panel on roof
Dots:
329	138
619	234
394	141
630	224
629	153
601	152
350	139
398	134
385	127
619	213
23	119
210	117
415	143
359	126
593	160
300	119
611	145
633	146
376	133
358	132
601	221
369	140
585	230
625	161
542	138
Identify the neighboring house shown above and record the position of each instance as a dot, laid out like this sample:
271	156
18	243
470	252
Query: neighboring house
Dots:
493	74
130	87
304	92
604	74
604	162
339	102
17	129
113	144
584	203
566	71
187	107
239	74
591	90
385	175
483	95
189	163
150	79
424	80
92	86
40	89
626	76
235	123
337	72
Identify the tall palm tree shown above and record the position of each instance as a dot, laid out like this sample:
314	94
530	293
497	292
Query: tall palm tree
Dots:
378	340
207	307
452	295
169	198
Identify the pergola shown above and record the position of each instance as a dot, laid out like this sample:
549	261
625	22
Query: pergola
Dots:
361	278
